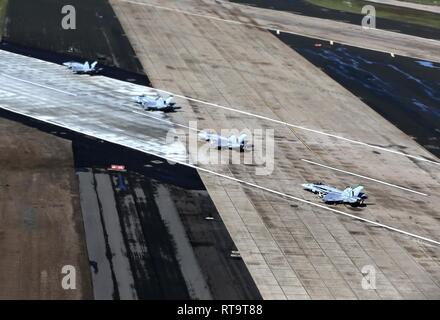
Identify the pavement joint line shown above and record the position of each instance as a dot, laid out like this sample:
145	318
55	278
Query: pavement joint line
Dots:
246	183
365	177
38	85
274	28
256	116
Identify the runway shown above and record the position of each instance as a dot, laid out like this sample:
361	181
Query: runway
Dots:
57	99
292	250
297	24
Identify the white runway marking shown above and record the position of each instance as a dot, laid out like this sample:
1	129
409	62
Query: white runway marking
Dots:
299	127
144	114
38	85
266	118
6	94
269	28
305	160
249	184
252	115
364	177
308	161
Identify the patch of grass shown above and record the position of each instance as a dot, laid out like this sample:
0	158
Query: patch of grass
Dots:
405	15
3	4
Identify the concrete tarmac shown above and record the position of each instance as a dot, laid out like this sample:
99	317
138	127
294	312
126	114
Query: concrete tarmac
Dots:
224	12
294	250
81	104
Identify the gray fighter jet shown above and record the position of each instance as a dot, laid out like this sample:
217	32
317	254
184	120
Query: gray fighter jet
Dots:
157	103
233	142
331	195
80	68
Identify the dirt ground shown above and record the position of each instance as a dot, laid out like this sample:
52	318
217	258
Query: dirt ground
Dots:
41	228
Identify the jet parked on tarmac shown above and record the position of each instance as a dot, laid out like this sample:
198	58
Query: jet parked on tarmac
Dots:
80	68
232	143
331	195
157	103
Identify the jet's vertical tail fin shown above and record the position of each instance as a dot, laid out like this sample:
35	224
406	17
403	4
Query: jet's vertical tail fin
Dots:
348	192
87	65
170	100
357	190
94	64
233	140
242	139
160	102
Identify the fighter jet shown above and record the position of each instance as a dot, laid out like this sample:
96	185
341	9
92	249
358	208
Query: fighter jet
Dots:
331	195
157	103
207	136
80	68
232	143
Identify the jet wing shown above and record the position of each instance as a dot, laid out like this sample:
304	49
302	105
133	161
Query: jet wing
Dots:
329	189
219	141
71	64
334	197
339	197
149	103
321	188
203	135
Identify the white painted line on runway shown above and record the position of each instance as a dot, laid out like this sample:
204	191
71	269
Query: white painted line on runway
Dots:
38	85
263	117
188	13
210	104
364	177
253	115
276	29
250	184
305	160
144	114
